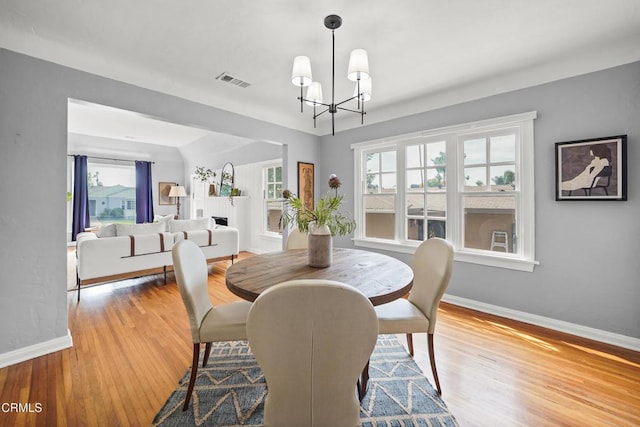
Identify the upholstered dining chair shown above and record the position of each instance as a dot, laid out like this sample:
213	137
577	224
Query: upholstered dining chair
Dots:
432	266
208	323
297	239
312	338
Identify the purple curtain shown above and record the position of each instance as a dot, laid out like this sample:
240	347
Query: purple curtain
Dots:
80	196
144	194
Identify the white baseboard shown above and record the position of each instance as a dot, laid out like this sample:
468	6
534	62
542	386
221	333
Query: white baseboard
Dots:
547	322
36	350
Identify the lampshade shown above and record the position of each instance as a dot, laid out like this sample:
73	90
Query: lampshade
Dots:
301	73
314	93
365	89
177	191
358	65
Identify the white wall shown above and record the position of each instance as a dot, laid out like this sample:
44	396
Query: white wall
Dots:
249	180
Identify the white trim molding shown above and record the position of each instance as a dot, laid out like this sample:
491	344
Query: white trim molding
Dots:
393	201
36	350
547	322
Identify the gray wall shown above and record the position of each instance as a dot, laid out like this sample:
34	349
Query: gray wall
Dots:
33	137
589	272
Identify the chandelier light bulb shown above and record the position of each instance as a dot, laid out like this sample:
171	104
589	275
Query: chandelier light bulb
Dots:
301	73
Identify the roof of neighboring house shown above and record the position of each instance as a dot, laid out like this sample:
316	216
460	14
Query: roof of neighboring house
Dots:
102	192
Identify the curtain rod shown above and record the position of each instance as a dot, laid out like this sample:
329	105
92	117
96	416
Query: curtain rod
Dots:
107	158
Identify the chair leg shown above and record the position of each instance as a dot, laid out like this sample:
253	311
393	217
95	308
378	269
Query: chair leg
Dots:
432	359
363	382
207	350
194	373
410	343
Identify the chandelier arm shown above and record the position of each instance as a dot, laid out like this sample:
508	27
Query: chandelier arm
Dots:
320	113
352	111
315	102
347	100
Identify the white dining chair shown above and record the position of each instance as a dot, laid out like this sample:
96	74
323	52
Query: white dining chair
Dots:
312	339
432	267
297	239
208	323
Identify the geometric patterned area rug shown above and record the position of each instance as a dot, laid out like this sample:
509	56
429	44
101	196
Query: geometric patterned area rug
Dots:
230	391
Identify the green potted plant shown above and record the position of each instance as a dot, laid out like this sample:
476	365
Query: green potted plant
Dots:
321	223
205	175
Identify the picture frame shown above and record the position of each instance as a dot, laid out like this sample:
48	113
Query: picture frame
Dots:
163	193
592	169
306	184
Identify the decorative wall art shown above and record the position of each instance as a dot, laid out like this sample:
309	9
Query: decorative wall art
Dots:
592	169
305	184
163	193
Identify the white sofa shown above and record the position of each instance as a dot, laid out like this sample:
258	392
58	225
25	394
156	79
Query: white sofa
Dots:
120	251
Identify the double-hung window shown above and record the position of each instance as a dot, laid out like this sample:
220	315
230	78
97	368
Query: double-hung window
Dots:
471	184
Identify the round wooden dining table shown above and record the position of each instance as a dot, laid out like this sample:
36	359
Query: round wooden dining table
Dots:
379	277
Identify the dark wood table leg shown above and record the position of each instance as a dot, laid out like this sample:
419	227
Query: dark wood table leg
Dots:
364	380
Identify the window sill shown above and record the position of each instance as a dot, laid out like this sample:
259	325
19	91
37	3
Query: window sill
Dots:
508	262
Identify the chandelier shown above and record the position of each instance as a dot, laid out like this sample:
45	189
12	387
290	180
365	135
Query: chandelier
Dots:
358	72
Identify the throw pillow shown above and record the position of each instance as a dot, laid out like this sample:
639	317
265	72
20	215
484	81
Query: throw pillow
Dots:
108	230
164	219
134	229
176	225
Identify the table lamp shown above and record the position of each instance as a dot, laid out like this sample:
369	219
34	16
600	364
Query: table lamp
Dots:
177	191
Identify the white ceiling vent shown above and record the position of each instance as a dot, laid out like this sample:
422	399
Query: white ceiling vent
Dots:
224	77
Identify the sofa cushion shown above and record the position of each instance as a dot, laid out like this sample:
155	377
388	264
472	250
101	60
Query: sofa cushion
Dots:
108	230
164	219
135	229
177	225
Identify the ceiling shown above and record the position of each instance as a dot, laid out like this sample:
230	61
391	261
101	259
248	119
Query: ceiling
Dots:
86	118
423	54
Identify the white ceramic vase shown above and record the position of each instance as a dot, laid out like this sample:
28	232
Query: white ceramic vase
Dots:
320	250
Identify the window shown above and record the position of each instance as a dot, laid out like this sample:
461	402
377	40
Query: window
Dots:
273	199
471	184
380	196
112	193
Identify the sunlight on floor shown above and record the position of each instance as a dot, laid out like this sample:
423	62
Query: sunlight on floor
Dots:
603	354
532	340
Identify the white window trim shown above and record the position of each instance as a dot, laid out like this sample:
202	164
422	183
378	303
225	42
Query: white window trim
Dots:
264	231
526	204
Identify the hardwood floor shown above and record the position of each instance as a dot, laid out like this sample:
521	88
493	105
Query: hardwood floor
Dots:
132	345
